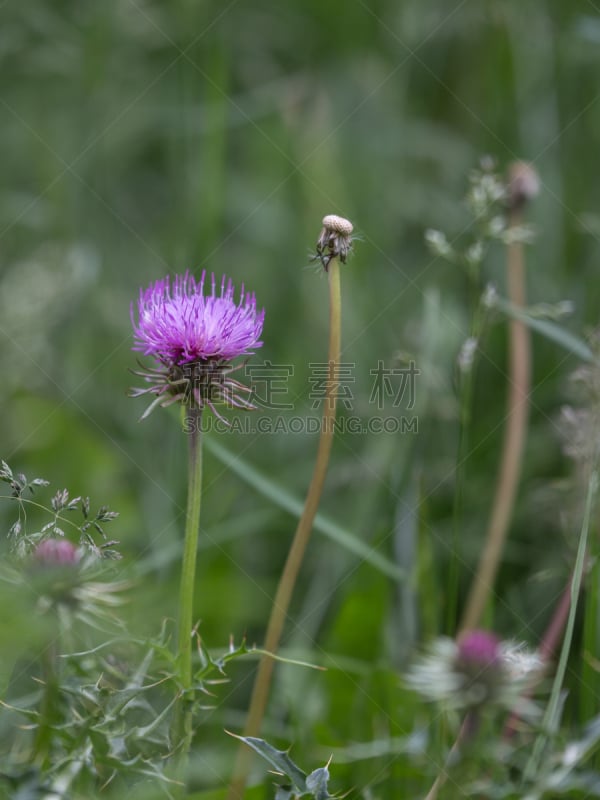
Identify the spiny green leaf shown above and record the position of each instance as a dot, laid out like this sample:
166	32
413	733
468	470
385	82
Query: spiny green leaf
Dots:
279	759
143	732
317	783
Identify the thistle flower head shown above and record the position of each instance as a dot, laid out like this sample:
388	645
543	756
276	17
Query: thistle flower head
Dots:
56	553
478	650
193	336
55	569
335	240
478	669
178	323
64	579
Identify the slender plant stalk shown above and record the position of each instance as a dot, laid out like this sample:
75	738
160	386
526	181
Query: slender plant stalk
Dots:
548	645
588	698
260	692
514	439
551	715
551	638
466	414
183	717
467	730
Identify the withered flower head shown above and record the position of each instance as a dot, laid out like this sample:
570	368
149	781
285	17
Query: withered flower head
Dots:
335	240
523	185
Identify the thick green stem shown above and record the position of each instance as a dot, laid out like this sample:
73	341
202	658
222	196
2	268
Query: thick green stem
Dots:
183	720
48	708
260	692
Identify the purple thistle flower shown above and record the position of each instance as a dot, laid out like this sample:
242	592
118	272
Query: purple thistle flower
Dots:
193	337
478	650
179	324
56	553
477	670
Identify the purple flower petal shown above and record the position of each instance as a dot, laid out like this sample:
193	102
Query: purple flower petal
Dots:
178	324
56	553
479	649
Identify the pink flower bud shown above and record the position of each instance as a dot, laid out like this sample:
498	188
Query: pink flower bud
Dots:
478	650
56	553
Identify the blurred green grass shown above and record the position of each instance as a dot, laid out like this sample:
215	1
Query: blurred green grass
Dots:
144	137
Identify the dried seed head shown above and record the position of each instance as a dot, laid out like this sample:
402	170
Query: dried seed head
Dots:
335	239
338	224
523	184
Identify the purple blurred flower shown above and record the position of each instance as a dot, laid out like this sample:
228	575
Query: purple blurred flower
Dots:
476	670
193	337
478	650
56	553
64	575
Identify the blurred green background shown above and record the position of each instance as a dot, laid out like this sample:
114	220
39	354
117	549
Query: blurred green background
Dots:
141	138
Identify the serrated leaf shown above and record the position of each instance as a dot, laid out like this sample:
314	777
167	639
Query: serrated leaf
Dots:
278	759
316	783
143	732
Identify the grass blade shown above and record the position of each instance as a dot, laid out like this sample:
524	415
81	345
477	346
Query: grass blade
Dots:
549	329
293	505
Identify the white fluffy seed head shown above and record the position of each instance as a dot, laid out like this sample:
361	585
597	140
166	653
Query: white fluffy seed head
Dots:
338	224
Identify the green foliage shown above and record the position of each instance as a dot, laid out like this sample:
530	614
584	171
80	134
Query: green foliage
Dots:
23	539
279	496
142	138
549	329
102	717
301	785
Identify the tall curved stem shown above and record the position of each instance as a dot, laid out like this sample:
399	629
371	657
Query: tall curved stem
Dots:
514	440
283	596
